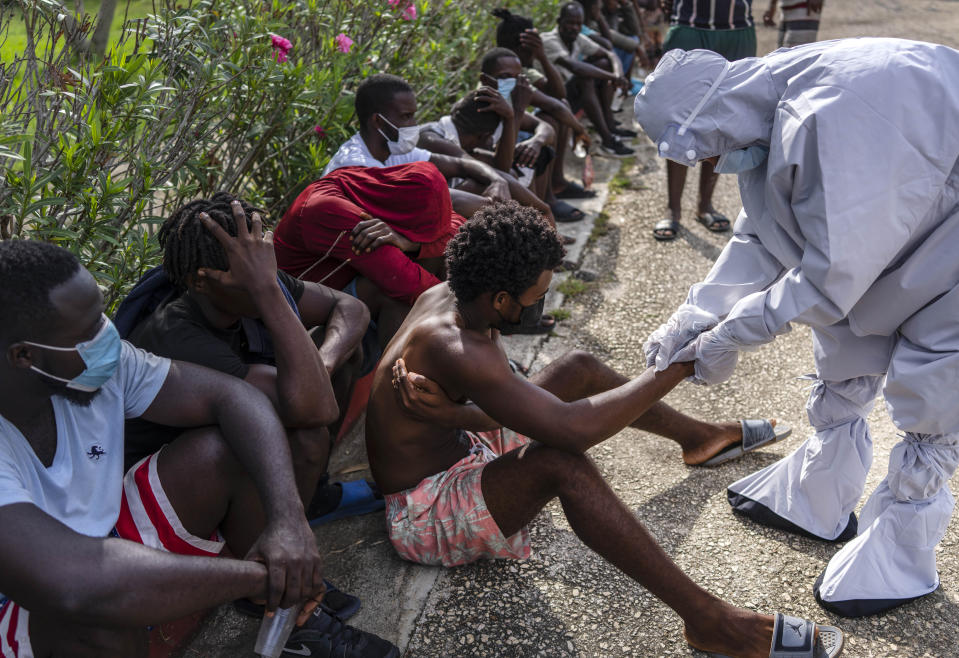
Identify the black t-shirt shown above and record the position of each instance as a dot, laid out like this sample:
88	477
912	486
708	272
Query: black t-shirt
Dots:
179	330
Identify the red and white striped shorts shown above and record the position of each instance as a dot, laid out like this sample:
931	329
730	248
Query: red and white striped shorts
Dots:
146	517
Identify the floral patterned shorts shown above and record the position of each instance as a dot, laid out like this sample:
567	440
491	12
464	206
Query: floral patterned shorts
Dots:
444	520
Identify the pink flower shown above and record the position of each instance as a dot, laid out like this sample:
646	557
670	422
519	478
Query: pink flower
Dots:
409	14
281	47
393	3
320	131
343	42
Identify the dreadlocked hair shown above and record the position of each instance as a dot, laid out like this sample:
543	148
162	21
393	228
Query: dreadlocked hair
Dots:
510	27
188	245
504	246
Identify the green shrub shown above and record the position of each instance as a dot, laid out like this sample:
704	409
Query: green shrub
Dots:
194	99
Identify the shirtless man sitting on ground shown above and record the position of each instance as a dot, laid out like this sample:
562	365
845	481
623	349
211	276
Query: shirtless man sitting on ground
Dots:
461	487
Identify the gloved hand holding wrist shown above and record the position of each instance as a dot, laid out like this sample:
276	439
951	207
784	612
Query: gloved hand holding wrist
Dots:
716	353
683	326
715	356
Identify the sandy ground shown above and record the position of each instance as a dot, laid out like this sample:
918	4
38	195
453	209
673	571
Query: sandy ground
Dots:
567	601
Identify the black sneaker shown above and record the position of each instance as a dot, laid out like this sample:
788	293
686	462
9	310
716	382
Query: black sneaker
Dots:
324	636
623	132
617	149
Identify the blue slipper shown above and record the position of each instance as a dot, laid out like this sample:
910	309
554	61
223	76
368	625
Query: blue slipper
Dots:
359	497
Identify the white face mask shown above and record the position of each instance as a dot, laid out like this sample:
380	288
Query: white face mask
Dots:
407	137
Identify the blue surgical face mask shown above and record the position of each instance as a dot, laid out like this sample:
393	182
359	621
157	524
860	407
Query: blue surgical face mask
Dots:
101	354
505	87
741	160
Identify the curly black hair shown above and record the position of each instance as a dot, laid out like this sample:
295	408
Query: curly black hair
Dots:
188	245
30	270
504	246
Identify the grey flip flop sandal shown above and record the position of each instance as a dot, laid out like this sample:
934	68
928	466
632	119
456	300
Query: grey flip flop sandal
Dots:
756	433
795	638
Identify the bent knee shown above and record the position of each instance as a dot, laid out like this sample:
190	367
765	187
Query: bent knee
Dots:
580	359
559	467
207	446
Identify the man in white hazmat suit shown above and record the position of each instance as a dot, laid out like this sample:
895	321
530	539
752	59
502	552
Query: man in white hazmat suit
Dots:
847	159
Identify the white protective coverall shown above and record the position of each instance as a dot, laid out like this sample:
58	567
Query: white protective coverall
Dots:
850	226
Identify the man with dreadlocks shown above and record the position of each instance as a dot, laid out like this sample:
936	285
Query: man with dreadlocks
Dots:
234	312
226	315
462	487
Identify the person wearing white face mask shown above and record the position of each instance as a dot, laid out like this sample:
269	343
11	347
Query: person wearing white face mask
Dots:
386	111
850	190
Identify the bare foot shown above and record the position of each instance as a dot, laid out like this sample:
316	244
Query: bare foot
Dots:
726	435
736	632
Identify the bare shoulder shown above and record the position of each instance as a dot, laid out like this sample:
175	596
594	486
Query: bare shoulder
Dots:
434	344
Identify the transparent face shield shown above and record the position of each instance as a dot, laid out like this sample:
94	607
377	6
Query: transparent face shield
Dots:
677	142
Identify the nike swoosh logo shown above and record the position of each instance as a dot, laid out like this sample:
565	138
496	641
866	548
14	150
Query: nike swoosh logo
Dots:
302	651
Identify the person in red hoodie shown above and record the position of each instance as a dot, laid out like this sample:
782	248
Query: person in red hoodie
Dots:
376	233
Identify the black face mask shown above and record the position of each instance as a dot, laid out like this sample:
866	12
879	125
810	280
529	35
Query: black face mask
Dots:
529	317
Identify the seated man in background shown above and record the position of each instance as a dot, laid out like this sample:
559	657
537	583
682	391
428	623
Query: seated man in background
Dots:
386	110
223	314
622	24
89	557
461	486
501	68
483	125
591	75
375	233
517	34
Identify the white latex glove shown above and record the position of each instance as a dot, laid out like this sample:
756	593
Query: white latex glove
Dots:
714	354
683	326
